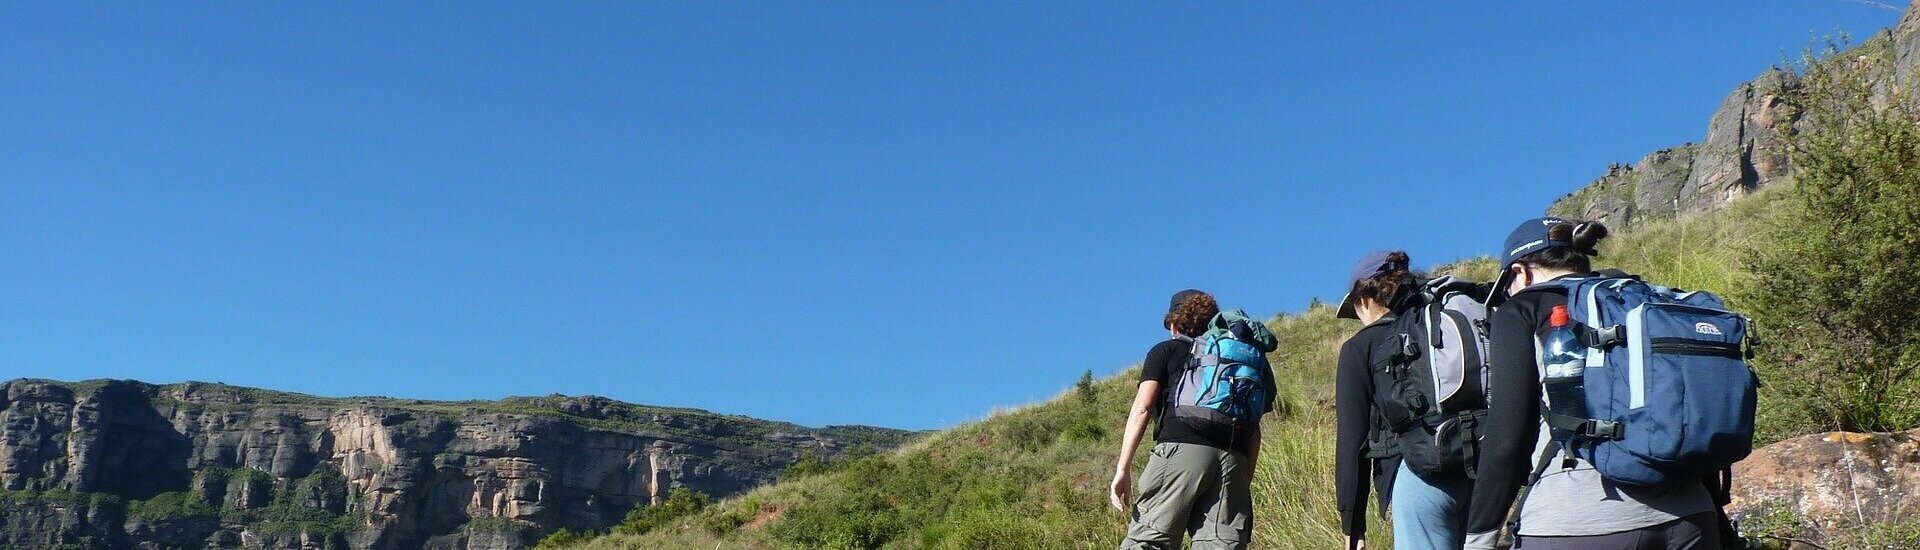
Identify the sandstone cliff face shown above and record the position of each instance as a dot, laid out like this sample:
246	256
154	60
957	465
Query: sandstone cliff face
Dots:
1744	149
223	466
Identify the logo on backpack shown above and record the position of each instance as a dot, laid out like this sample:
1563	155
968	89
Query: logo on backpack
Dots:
1668	395
1227	383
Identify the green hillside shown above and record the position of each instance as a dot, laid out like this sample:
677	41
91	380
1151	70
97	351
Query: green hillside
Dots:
1035	477
1843	351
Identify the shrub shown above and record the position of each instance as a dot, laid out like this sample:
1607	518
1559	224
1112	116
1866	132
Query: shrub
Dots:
1835	277
680	503
563	538
811	463
1084	388
172	506
864	521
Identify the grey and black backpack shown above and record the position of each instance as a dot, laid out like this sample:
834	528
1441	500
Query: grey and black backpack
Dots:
1433	407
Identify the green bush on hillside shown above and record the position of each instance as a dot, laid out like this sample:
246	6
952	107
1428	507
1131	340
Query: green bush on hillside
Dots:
172	506
562	539
1836	288
680	503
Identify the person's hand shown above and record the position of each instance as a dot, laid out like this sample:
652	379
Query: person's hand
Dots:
1121	491
1356	544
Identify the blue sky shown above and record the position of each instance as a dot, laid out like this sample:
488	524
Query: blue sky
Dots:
899	214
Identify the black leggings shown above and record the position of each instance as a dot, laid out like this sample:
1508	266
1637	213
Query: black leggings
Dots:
1695	532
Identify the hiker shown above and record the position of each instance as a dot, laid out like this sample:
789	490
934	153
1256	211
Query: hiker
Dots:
1568	503
1381	392
1198	480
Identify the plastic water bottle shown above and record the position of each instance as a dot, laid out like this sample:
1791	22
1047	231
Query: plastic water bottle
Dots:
1566	361
1565	357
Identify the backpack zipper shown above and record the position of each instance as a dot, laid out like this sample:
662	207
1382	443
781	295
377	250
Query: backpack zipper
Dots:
1703	348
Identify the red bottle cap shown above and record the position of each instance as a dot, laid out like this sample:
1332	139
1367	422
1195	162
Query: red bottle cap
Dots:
1559	317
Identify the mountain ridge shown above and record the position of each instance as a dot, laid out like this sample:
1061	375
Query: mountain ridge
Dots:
1744	149
84	463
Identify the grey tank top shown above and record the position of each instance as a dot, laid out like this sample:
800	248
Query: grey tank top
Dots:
1570	502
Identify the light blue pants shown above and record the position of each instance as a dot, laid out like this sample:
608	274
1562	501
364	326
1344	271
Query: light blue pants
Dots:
1427	515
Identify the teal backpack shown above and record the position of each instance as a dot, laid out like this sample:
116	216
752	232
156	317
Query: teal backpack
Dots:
1227	382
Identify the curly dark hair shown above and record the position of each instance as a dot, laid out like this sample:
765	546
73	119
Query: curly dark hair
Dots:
1191	315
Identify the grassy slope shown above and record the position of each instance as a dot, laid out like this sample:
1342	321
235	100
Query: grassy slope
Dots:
1035	477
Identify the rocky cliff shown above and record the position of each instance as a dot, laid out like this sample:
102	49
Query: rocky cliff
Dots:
118	464
1744	149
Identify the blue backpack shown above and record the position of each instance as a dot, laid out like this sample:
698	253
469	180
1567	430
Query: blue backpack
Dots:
1227	382
1668	393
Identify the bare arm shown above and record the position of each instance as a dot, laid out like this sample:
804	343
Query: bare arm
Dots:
1120	494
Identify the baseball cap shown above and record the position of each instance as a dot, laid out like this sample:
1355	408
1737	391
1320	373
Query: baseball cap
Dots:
1530	237
1374	263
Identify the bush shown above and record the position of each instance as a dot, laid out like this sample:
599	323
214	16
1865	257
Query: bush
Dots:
172	506
1835	277
864	522
563	538
680	503
811	463
1084	388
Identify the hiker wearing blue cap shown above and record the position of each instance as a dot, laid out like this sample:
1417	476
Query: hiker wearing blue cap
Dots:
1412	442
1570	505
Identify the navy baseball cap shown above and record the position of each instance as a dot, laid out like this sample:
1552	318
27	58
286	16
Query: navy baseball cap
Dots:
1530	237
1374	263
1181	296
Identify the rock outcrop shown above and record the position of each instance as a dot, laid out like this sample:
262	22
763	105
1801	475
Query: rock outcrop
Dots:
1744	149
1831	485
130	465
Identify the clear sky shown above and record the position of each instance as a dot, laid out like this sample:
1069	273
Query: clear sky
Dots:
889	213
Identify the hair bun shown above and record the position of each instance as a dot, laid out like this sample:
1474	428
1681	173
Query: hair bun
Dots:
1586	235
1398	261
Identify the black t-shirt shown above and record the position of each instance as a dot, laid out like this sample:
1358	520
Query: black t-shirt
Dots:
1164	362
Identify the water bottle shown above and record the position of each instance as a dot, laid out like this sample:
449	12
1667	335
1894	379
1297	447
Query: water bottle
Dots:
1566	361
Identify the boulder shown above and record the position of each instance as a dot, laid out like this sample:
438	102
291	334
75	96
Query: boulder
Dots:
1830	485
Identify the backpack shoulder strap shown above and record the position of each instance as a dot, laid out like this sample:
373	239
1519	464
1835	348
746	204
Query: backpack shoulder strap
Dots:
1520	501
1612	273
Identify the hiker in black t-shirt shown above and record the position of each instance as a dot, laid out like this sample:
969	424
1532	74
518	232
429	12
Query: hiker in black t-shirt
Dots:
1198	482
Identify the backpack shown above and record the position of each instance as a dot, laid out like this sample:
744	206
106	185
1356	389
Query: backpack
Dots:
1226	382
1668	394
1437	399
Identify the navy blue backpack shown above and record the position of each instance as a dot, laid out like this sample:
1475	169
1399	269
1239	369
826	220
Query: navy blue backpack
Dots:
1668	393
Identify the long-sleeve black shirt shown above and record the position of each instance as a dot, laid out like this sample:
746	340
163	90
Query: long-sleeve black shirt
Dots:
1354	383
1513	409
